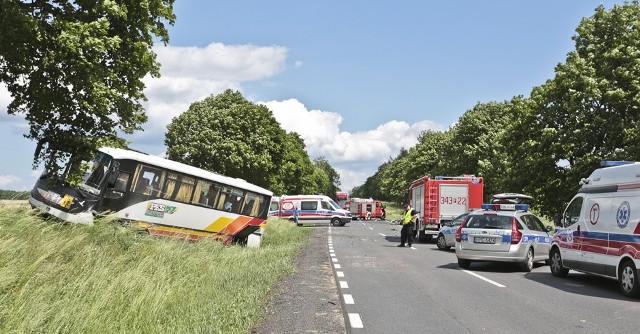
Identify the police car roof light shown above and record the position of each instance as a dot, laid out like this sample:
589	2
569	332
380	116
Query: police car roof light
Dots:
611	163
506	207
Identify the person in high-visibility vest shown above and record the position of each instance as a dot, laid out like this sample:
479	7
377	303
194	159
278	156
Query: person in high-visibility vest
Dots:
406	233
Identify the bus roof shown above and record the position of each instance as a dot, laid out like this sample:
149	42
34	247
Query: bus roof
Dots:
118	153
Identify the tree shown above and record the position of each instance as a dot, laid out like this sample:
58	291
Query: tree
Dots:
394	181
75	69
427	156
229	135
296	172
476	145
333	177
590	110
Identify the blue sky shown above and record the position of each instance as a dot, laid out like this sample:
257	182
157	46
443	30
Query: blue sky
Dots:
357	79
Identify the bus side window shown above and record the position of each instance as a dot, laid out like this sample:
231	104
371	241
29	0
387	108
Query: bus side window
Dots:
147	180
142	186
251	205
205	193
121	182
230	200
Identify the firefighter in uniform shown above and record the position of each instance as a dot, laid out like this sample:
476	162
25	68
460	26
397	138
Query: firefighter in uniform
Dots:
406	234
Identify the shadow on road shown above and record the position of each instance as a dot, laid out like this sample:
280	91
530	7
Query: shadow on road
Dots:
492	267
579	283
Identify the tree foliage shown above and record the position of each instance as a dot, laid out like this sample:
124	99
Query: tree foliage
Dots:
75	69
331	185
544	144
590	110
477	144
229	135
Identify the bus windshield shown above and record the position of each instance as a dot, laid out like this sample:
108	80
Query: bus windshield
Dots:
95	178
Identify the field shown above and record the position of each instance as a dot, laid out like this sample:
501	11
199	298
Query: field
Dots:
105	278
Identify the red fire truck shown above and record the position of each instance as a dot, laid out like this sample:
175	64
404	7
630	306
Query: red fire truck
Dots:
342	197
440	199
362	208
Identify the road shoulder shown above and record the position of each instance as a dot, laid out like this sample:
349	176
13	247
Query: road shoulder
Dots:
308	300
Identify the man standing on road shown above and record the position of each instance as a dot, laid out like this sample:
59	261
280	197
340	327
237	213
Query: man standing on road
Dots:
406	234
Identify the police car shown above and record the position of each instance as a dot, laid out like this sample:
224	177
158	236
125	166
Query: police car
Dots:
503	233
447	235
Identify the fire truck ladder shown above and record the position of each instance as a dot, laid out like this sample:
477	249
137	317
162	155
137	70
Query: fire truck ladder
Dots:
431	213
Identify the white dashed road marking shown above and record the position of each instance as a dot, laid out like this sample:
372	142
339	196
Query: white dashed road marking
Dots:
348	299
354	319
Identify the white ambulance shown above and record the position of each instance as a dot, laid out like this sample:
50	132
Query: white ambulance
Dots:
599	232
311	210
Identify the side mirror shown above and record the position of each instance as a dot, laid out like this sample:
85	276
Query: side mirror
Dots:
549	228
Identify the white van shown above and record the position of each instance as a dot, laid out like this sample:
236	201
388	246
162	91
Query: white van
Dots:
599	232
311	210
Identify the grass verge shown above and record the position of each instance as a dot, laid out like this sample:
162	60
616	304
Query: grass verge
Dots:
104	278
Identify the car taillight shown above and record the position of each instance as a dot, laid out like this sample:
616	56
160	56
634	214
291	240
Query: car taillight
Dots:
516	235
459	233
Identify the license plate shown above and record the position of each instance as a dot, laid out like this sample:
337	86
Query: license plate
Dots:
484	240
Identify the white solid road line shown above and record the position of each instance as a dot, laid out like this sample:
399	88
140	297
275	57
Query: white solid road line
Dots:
382	234
484	278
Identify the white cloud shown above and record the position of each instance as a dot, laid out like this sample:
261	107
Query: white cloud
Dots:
7	180
191	74
355	156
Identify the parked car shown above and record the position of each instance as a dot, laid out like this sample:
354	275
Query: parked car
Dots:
503	233
447	236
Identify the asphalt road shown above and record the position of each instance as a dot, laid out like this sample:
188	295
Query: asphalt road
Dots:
354	279
422	290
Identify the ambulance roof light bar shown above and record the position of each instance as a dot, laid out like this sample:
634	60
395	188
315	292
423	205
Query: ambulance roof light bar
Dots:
506	207
611	163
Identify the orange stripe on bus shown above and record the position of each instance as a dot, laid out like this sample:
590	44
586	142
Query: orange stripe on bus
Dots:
236	226
219	224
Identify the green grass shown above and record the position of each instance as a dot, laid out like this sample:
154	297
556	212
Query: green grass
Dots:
394	210
105	279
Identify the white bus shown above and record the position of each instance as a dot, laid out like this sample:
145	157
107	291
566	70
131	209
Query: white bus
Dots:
163	196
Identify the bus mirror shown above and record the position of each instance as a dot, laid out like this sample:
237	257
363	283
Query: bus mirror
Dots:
113	174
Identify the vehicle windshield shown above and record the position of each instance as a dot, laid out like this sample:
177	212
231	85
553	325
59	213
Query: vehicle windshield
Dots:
96	176
335	205
490	222
458	220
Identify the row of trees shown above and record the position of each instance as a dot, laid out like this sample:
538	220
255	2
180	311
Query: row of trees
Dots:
229	135
541	145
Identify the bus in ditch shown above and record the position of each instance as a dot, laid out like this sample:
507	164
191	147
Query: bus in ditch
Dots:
162	196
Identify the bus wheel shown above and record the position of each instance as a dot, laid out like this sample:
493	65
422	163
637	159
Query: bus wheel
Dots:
335	222
628	277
